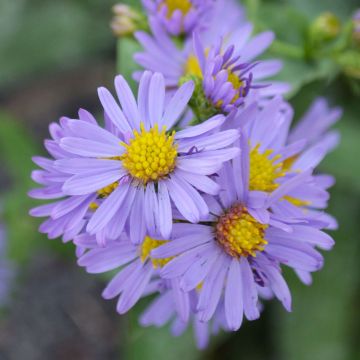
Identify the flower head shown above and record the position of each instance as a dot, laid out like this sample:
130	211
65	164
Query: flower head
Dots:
229	73
162	54
223	65
274	154
137	169
241	247
135	267
179	16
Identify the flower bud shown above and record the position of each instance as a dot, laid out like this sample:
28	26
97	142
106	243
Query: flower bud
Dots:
126	20
325	27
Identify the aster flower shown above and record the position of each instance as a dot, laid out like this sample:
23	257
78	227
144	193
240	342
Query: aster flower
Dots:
274	159
137	272
241	246
133	173
224	67
162	54
229	74
179	16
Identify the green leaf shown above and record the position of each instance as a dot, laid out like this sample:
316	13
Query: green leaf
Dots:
16	150
318	327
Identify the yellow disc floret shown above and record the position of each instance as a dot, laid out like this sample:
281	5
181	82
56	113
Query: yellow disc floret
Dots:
237	83
147	246
172	5
264	170
239	233
102	194
107	190
192	67
150	155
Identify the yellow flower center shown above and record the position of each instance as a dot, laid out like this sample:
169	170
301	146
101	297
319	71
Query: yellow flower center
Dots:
172	5
150	155
147	246
239	233
107	190
263	170
236	83
192	67
103	193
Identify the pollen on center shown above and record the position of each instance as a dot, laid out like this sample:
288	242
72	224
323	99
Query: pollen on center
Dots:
172	5
150	155
192	67
264	170
239	234
147	246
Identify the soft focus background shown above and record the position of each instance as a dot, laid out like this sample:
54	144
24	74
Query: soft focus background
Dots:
53	56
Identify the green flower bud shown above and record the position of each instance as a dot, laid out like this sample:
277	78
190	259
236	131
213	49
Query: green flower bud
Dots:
325	27
127	20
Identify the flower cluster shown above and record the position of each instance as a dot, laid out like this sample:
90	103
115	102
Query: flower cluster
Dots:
200	189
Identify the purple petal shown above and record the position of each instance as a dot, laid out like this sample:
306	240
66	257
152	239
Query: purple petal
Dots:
156	98
107	209
250	295
127	100
83	184
234	297
113	111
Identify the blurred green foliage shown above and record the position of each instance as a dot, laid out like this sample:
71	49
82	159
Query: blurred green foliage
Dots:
41	35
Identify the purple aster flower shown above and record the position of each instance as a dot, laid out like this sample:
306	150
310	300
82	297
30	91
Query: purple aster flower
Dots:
179	16
137	272
274	159
241	246
133	172
224	63
229	73
137	276
162	54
